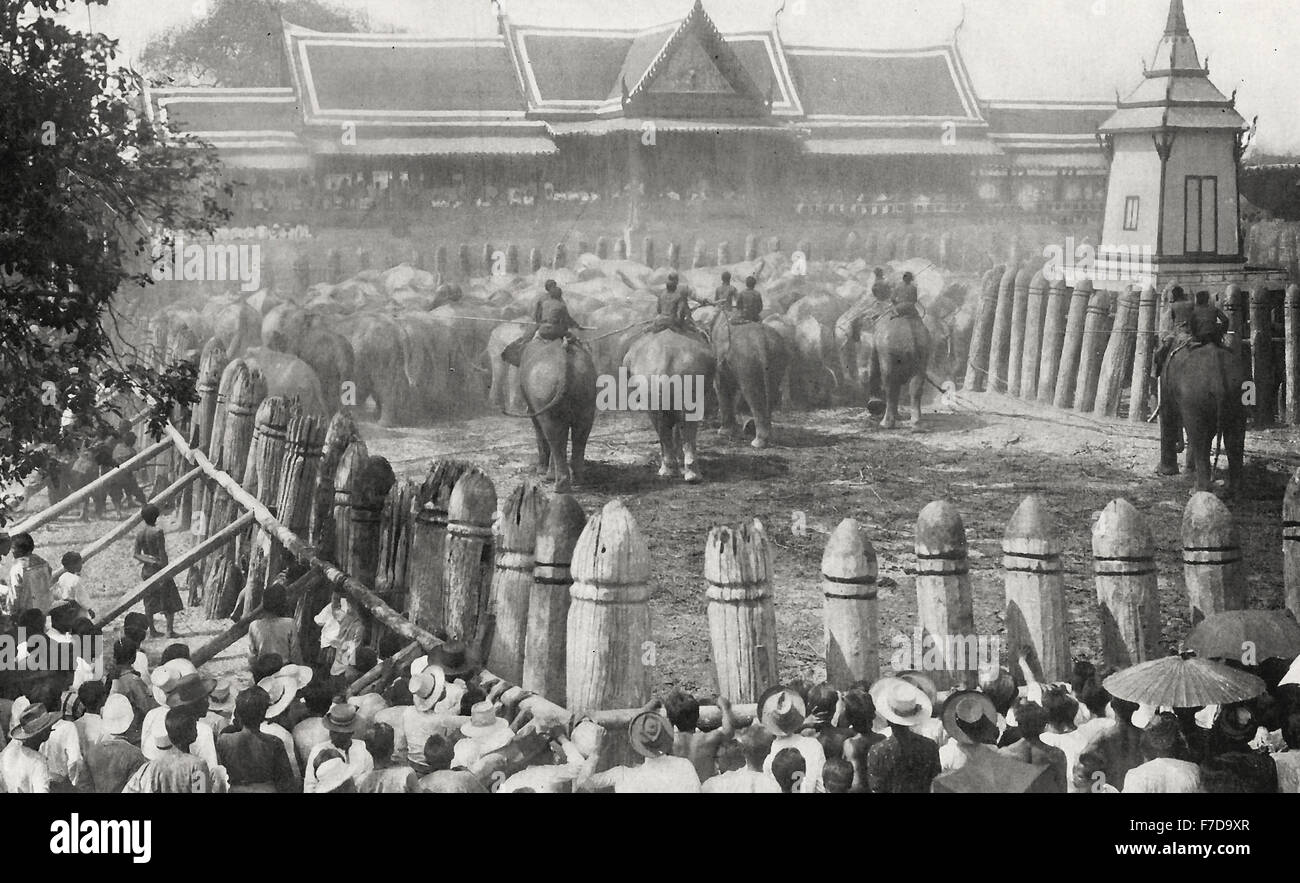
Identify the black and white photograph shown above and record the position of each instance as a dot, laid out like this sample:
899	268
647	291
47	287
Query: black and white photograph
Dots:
747	397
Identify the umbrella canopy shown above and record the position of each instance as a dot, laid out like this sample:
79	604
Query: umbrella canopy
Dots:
1183	682
1226	635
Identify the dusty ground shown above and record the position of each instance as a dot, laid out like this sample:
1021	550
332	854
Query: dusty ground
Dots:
984	456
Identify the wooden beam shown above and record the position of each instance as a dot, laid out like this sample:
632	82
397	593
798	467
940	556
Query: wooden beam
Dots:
47	515
211	544
372	679
300	550
125	527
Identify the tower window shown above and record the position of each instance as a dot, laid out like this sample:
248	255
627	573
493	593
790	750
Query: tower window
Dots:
1131	205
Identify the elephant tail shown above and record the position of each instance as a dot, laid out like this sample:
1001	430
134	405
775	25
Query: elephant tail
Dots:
561	390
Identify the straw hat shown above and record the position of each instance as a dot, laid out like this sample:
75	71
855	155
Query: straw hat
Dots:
342	718
33	721
651	734
190	688
332	774
283	687
427	687
485	728
118	714
781	710
164	678
901	702
970	717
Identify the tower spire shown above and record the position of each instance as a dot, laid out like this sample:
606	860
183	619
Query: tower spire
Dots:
1176	26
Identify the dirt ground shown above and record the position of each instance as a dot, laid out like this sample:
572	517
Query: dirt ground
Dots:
984	455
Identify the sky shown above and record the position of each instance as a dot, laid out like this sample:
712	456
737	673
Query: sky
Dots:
1014	49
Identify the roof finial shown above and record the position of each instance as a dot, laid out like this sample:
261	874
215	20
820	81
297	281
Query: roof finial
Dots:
957	30
1176	26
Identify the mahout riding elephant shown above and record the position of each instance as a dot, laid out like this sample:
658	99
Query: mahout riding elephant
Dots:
899	355
558	381
751	359
1201	390
671	358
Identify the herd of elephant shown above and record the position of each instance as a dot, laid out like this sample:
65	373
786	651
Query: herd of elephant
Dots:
420	351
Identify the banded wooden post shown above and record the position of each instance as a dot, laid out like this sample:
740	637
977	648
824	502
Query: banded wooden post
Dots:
1031	356
674	256
1212	566
489	250
223	579
751	247
396	522
548	601
534	259
648	252
1035	586
464	261
608	632
1118	355
1292	379
338	434
427	590
1001	344
512	259
1291	544
1049	364
850	618
1261	357
977	364
469	559
1076	320
212	365
1234	307
943	598
724	254
300	472
699	254
262	480
742	617
1094	343
369	490
512	579
602	252
560	257
302	273
346	475
1123	555
1019	310
620	248
196	578
1144	349
440	265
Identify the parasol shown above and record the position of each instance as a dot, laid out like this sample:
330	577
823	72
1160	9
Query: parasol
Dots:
1183	682
1228	635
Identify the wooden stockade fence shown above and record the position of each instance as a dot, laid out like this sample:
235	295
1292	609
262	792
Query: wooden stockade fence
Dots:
1092	351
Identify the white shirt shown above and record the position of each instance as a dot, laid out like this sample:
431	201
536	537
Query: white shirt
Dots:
813	757
23	771
155	725
69	588
657	775
359	762
1164	775
141	665
1288	772
286	737
63	751
741	781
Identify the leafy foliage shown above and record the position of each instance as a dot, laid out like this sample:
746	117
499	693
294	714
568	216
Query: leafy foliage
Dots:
84	172
239	42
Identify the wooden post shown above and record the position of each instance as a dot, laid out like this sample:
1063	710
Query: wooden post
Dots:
396	521
560	257
440	267
346	475
534	259
1094	341
464	263
621	248
773	244
1019	311
427	585
222	578
1234	307
1143	353
548	600
262	479
512	259
512	578
1261	357
301	273
338	435
211	366
1031	356
1123	555
608	636
977	364
369	489
584	247
1291	543
1212	567
602	247
1001	344
674	256
1035	587
365	259
1118	356
699	255
469	559
488	251
724	254
850	619
1058	302
943	598
751	247
742	617
648	252
334	266
224	536
1076	320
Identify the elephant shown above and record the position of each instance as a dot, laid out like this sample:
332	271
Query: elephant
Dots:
751	359
899	354
505	392
411	364
330	355
1201	389
813	372
289	376
559	388
663	357
239	326
282	328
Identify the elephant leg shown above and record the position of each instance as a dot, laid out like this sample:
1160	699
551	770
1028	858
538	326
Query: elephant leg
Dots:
580	430
726	386
1170	433
1200	444
874	378
667	446
917	388
890	386
1234	443
543	448
688	431
557	435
